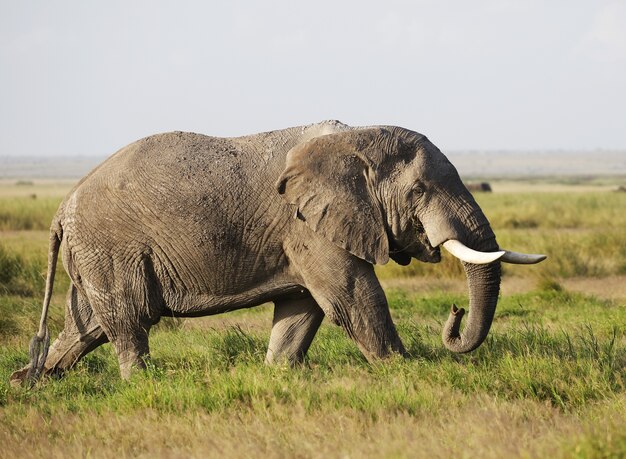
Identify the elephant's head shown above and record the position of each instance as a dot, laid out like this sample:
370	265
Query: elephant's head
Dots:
389	192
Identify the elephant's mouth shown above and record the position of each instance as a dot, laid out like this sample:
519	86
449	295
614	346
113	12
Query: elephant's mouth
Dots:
428	253
422	249
418	248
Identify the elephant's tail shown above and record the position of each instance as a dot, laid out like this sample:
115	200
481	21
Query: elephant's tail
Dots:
40	343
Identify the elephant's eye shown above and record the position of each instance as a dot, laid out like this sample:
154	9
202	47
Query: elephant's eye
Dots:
417	191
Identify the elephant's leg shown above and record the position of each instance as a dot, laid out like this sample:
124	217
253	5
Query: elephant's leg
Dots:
295	323
127	329
364	315
347	290
128	310
81	334
130	341
129	336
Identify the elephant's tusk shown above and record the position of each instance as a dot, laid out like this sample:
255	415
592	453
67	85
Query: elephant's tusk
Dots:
522	258
464	253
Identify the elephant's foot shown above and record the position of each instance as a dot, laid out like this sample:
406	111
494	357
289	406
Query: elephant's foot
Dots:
131	363
132	353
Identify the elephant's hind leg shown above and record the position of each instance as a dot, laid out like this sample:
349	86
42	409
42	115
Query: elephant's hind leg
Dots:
127	333
127	330
295	323
81	334
128	311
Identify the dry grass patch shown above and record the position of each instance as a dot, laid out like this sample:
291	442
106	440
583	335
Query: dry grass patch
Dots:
467	427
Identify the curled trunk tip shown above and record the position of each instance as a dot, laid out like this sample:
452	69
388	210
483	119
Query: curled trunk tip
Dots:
451	331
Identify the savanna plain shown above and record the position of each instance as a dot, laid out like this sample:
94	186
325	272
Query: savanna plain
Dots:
550	381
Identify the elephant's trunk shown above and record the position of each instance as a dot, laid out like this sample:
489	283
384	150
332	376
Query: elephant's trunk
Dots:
465	232
484	286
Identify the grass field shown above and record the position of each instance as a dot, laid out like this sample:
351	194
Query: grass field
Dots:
550	381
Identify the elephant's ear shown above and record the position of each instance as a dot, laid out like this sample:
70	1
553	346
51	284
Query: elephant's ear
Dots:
331	181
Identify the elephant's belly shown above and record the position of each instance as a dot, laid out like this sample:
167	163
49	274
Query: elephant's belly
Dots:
209	280
196	305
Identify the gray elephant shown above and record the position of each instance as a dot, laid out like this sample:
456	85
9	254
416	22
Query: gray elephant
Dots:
187	225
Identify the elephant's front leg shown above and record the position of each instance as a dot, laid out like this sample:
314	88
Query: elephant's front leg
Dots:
351	296
295	323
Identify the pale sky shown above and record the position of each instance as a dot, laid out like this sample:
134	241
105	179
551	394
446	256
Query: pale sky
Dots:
87	77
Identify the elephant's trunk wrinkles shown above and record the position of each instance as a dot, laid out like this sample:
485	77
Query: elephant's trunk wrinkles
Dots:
484	286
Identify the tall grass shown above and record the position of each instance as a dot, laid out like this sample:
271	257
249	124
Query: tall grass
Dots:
27	213
574	211
19	275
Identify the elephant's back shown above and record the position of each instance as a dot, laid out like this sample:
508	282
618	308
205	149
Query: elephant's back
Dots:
182	199
168	157
168	177
173	161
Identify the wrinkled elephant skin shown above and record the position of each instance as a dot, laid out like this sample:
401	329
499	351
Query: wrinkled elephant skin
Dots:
182	224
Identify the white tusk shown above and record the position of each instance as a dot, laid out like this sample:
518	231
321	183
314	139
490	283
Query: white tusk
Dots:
522	258
464	253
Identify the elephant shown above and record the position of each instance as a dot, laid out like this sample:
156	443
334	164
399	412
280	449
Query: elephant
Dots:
185	225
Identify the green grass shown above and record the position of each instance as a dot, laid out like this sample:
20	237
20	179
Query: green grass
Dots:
560	366
550	380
